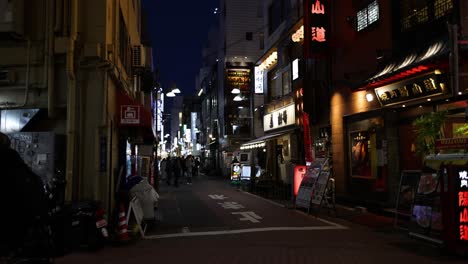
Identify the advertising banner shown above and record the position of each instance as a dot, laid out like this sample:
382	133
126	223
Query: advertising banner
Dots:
307	138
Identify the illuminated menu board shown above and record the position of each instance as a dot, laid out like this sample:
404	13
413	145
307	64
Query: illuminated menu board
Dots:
238	78
461	174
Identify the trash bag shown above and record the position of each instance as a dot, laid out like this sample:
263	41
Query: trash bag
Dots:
147	196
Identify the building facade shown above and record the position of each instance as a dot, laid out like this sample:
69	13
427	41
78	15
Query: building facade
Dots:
239	46
81	80
394	62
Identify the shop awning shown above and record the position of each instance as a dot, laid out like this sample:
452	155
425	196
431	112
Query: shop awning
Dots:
133	115
261	141
428	58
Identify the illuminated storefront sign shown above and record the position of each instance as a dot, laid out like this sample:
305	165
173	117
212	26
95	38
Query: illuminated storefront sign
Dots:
269	61
295	69
258	80
279	118
298	36
130	114
316	20
238	78
410	90
299	173
452	143
462	204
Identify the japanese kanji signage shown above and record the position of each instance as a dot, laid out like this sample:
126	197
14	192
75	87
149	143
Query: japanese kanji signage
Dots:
462	203
279	118
316	32
412	90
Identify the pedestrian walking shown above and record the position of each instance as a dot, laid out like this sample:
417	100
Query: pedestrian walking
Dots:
177	170
189	168
196	164
183	167
156	173
169	170
163	169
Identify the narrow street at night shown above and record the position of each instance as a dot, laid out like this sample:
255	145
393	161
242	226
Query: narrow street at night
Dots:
233	131
214	222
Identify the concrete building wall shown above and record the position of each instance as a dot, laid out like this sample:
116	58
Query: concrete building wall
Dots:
79	40
353	60
243	16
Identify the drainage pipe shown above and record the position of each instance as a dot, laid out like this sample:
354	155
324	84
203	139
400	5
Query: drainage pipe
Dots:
51	63
58	16
72	189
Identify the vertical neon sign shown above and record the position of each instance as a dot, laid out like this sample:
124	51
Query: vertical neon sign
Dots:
463	204
316	16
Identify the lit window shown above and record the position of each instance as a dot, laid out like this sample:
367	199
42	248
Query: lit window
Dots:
367	16
442	7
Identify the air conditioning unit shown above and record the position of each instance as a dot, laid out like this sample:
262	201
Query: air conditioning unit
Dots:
12	17
138	56
7	77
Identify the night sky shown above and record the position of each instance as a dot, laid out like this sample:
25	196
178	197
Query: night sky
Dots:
179	29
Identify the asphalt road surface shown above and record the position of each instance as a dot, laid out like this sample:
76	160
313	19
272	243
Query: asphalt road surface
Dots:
211	221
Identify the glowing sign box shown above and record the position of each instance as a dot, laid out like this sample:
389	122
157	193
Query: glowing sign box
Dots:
461	211
316	21
413	89
279	118
295	69
238	78
258	80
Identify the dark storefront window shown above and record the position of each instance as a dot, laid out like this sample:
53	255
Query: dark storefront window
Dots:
124	44
277	13
273	79
286	81
418	12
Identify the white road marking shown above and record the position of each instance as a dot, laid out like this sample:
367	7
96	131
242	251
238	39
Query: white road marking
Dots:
231	205
248	216
322	220
264	199
217	196
249	230
300	212
331	223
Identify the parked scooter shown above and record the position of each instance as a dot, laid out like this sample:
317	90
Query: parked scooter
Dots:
75	225
85	225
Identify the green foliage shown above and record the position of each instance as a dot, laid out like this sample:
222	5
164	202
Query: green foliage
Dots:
429	128
463	130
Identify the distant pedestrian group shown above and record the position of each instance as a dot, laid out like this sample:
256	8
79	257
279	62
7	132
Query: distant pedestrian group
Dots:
172	168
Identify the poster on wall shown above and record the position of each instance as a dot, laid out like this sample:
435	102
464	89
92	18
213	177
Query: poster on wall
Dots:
307	138
426	214
360	154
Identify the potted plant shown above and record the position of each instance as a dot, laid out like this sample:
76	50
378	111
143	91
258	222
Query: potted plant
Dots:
429	128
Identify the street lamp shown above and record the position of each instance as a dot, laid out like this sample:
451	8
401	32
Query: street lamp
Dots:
238	98
235	91
174	89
